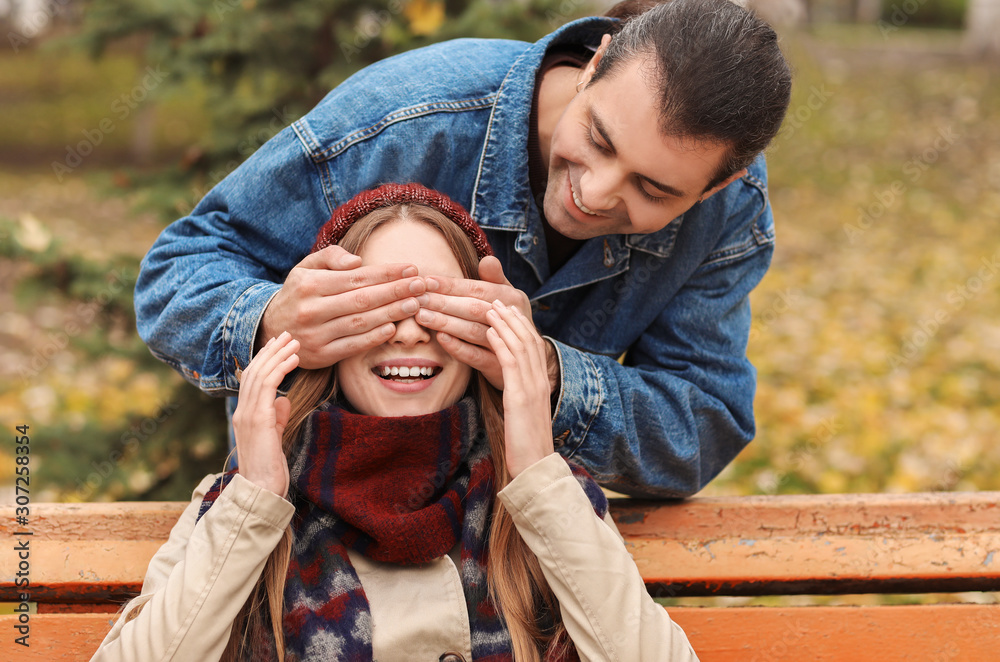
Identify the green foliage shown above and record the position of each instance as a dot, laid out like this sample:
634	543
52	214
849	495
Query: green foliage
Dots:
108	419
50	100
925	13
265	63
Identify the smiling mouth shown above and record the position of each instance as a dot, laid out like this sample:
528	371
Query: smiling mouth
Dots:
405	374
578	202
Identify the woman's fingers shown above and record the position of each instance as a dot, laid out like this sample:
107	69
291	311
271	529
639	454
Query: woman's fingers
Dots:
520	351
260	418
272	363
527	420
259	382
518	334
528	335
282	409
505	358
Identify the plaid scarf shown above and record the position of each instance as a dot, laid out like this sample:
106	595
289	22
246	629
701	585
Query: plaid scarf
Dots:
398	490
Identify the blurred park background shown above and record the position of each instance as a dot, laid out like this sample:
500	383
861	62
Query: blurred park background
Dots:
876	332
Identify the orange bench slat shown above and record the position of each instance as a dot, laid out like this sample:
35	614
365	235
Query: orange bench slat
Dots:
733	634
729	546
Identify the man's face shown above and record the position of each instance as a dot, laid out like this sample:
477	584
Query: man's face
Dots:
611	171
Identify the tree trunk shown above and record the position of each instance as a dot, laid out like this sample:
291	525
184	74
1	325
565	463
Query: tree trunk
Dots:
982	28
143	134
867	11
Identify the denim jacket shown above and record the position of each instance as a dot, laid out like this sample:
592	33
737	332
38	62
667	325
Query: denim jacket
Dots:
672	305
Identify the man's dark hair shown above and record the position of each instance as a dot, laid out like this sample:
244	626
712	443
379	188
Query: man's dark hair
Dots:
719	72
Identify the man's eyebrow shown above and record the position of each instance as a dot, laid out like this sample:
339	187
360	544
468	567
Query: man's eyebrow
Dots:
599	125
666	188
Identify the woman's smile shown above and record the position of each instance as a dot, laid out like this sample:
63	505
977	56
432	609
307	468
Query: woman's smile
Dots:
407	375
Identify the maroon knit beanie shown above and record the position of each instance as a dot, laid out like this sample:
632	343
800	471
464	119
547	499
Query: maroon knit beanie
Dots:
387	195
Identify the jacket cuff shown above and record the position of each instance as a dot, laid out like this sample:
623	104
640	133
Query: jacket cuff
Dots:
262	503
580	397
529	483
239	330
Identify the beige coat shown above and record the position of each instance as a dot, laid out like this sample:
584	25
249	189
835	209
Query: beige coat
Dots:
199	579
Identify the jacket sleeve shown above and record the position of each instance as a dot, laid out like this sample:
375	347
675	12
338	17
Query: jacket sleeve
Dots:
604	604
205	283
201	577
679	407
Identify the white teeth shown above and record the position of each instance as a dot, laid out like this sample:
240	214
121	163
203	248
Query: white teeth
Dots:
406	371
579	202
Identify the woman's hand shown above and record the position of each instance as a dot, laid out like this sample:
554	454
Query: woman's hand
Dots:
521	354
260	418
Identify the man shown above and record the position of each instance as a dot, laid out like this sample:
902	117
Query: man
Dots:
616	179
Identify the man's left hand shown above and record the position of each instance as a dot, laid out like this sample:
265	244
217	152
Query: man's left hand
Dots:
456	308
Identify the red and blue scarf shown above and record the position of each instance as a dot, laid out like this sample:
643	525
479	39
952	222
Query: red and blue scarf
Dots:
398	490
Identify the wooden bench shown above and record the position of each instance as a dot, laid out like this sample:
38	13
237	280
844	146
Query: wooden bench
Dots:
85	559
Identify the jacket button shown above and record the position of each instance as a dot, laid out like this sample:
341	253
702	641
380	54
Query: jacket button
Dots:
560	440
451	657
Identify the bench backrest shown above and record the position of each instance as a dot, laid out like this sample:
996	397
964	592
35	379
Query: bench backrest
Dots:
86	559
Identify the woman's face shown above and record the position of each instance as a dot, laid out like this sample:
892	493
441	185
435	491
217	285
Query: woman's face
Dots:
410	374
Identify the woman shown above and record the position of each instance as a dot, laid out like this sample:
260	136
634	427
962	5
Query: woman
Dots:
425	517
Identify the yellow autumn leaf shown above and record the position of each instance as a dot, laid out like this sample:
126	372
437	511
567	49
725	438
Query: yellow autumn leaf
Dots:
832	482
425	16
32	235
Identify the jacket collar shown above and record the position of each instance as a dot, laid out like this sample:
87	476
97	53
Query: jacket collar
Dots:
501	198
659	243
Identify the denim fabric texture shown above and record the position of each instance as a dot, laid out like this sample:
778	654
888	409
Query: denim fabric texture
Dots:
454	117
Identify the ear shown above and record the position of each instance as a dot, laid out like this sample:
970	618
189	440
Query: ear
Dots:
588	71
721	185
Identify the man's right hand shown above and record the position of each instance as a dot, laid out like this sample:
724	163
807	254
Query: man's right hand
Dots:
337	308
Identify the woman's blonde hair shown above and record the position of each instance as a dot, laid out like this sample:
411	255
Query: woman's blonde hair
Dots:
516	583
